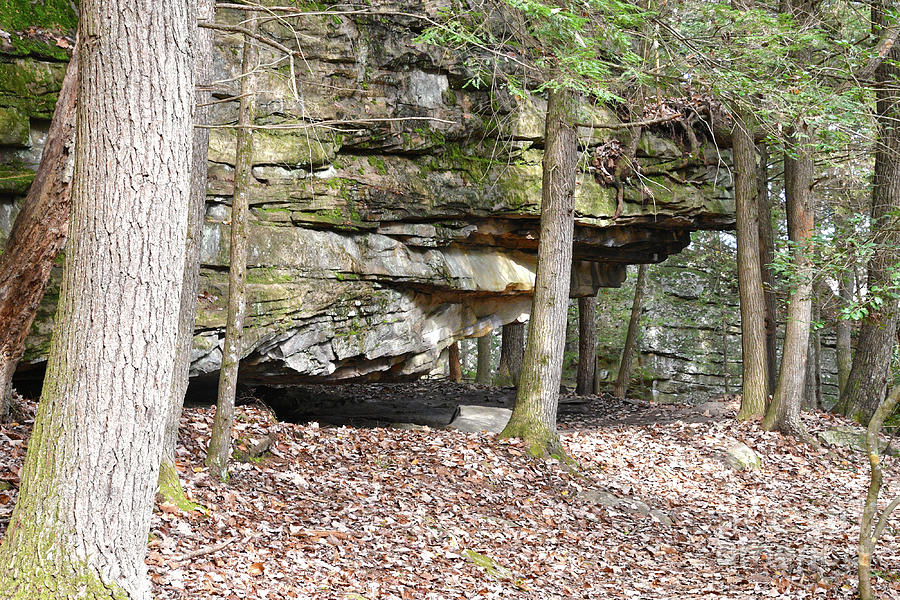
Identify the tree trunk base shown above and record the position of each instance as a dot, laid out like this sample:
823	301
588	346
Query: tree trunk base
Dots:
170	489
540	442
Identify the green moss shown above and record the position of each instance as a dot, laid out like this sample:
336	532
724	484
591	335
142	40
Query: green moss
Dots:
19	15
378	163
31	87
15	181
170	489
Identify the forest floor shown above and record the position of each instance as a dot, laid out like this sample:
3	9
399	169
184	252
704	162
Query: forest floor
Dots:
380	513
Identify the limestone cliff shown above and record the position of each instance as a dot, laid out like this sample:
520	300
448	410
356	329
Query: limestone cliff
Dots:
395	207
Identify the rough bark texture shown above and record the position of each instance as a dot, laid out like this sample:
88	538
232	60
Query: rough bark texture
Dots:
784	411
624	376
455	368
534	414
844	333
219	451
868	379
755	386
587	345
766	257
483	372
869	529
37	236
79	528
512	351
169	484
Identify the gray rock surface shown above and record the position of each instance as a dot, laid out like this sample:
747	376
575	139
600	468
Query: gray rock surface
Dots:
477	419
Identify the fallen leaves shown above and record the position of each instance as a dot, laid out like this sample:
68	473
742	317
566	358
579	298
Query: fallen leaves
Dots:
350	513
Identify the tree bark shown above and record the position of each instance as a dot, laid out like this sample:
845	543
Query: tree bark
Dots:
755	387
628	351
483	372
766	258
587	345
869	373
79	528
169	484
512	350
844	333
455	368
537	398
219	452
37	236
784	411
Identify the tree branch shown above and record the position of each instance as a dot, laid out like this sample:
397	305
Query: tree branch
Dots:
632	124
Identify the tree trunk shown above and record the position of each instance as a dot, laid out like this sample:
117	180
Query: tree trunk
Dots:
483	373
628	351
868	379
844	333
512	350
869	529
766	258
755	387
37	236
534	414
455	368
784	411
169	484
79	528
587	345
219	452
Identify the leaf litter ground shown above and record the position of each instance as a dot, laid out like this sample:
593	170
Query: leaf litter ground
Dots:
379	513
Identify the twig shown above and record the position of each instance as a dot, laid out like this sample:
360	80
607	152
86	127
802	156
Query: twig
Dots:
248	33
205	550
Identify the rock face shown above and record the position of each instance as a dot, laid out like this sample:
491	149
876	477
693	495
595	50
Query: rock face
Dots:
690	344
394	208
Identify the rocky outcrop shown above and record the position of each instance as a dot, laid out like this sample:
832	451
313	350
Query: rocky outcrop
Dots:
394	206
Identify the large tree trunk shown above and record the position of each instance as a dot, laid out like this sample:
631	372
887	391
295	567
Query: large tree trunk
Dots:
766	258
483	372
512	351
868	379
219	452
169	484
455	368
784	411
534	414
587	345
750	284
79	528
37	236
628	351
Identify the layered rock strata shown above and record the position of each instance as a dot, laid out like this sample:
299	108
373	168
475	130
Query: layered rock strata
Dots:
394	205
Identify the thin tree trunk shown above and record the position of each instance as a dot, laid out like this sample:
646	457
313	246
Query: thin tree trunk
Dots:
483	372
79	528
628	351
169	484
537	398
587	345
784	411
844	333
755	387
37	236
512	350
455	368
868	379
869	529
219	451
766	258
